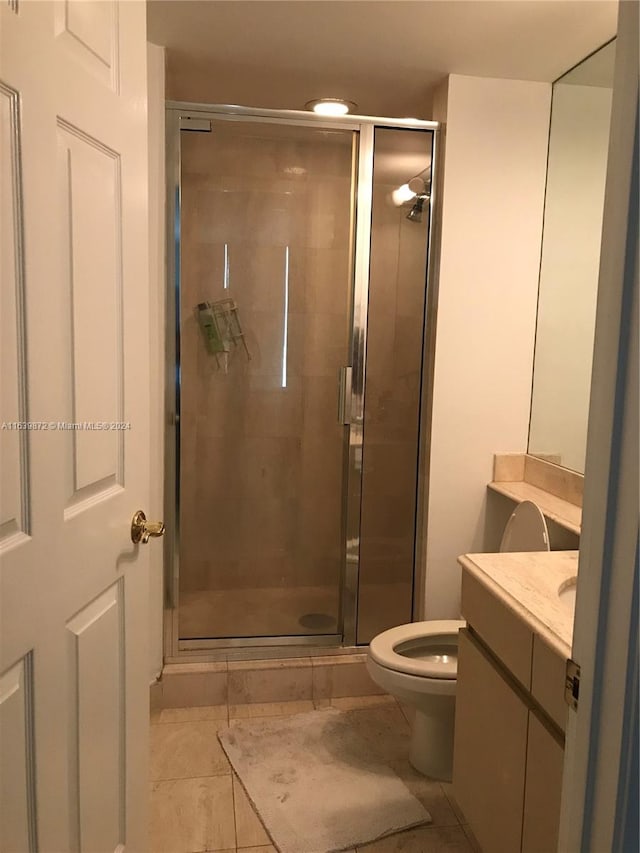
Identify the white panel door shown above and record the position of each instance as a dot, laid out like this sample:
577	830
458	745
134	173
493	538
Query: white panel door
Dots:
75	368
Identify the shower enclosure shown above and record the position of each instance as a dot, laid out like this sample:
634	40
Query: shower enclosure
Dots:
297	309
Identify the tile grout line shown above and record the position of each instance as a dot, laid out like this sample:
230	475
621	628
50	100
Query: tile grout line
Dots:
233	800
233	791
183	722
452	804
185	778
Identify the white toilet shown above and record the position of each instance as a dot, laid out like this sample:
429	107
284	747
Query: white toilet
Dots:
418	663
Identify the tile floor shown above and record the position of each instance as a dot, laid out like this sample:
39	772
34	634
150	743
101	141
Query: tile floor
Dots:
197	803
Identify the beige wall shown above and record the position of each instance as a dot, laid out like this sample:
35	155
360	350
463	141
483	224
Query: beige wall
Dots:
494	178
155	87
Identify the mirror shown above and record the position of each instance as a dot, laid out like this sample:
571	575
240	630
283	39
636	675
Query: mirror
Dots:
576	171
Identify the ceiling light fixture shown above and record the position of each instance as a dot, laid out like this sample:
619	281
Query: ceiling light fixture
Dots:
331	106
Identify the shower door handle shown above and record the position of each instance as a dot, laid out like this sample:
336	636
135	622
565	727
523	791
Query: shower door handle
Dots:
344	395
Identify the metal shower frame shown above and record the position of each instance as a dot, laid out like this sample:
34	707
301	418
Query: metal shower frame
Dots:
176	650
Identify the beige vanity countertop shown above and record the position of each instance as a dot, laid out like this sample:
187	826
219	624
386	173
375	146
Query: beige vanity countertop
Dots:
528	584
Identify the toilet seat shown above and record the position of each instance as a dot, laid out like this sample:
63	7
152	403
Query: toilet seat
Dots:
433	640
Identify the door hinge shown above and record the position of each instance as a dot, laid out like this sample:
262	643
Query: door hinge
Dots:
572	684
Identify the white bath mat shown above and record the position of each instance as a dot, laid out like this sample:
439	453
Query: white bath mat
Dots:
315	784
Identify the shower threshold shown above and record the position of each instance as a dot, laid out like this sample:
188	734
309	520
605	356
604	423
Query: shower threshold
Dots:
260	644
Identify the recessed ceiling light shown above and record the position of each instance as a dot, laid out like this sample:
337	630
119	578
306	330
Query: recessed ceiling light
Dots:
331	106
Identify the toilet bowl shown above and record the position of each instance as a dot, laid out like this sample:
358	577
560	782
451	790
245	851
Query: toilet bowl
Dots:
418	663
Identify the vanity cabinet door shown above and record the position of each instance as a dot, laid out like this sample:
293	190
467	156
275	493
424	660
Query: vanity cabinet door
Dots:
548	674
543	787
490	750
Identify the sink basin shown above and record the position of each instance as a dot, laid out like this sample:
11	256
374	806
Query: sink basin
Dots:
567	593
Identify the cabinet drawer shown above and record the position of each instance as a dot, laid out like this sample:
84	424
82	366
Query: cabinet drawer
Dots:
547	682
490	750
502	631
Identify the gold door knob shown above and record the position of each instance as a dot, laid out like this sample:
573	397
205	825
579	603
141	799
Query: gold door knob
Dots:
141	529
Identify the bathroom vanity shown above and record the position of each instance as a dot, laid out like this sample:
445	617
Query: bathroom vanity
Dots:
510	706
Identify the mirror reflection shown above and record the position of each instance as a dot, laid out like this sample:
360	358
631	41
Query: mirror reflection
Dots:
576	171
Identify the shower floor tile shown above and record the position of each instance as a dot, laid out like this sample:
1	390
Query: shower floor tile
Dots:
284	611
260	612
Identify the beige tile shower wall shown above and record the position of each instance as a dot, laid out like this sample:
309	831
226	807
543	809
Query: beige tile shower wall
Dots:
261	464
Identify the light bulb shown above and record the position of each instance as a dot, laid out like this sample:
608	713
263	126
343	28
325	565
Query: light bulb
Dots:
402	195
330	106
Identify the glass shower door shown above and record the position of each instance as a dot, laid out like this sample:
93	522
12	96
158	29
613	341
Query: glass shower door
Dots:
402	158
265	302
